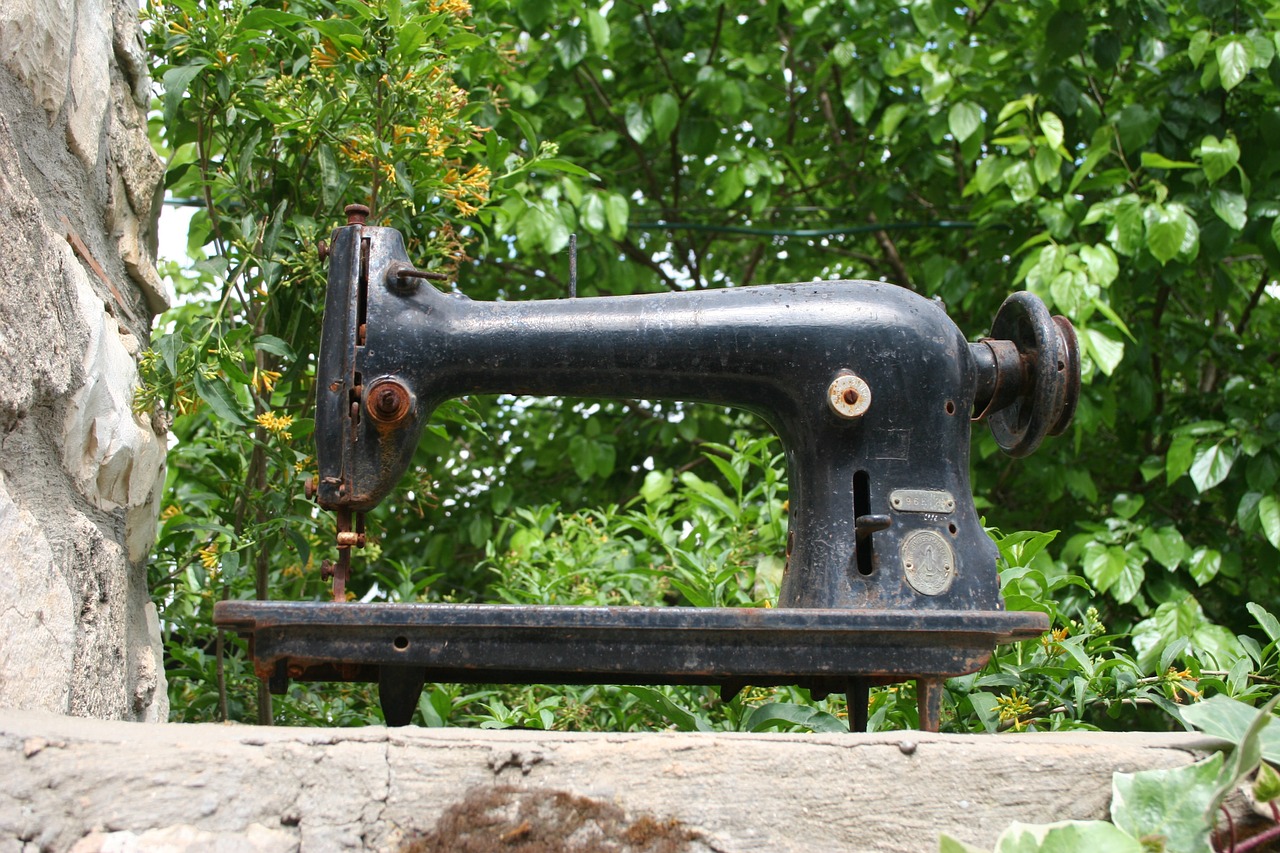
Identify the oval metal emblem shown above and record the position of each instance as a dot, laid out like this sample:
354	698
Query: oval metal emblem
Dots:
928	562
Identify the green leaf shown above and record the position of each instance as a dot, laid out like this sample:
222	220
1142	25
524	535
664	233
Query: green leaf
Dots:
1218	157
1266	787
1051	127
729	186
526	129
775	715
1227	718
1179	457
533	12
684	719
1151	160
1021	182
963	119
1065	34
1170	803
1127	231
861	98
332	182
710	494
582	456
1046	164
1127	506
1068	836
1102	263
1104	565
1235	58
1136	124
1212	464
1204	565
1230	207
665	110
1107	352
947	844
616	211
1269	515
1166	229
175	82
1269	624
273	345
220	399
893	116
597	29
1166	546
592	215
559	165
1198	46
639	124
1245	757
170	347
656	484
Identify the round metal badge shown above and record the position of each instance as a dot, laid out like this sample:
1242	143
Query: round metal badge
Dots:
928	562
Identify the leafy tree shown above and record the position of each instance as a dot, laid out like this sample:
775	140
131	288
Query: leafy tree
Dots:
1112	158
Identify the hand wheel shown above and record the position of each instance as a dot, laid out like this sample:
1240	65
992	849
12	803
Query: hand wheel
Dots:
1045	374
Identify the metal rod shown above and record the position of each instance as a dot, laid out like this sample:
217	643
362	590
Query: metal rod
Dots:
573	266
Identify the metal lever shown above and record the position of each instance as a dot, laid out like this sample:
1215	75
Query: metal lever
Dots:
865	525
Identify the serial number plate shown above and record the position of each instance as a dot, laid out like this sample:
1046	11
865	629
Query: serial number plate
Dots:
922	500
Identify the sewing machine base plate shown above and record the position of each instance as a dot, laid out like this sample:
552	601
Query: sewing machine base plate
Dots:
401	646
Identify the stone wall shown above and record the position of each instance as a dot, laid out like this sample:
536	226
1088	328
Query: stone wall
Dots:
92	786
79	472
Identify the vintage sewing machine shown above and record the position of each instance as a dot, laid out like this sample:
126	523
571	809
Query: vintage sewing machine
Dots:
890	575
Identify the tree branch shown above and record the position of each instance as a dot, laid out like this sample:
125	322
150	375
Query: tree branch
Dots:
1254	298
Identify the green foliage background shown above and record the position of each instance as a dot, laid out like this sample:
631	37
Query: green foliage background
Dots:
1115	159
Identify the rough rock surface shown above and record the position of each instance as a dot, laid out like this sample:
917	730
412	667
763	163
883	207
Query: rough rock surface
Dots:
92	785
79	472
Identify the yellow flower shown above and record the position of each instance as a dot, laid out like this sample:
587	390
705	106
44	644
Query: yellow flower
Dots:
324	55
461	8
265	379
1052	640
1013	708
169	512
277	425
1178	679
209	556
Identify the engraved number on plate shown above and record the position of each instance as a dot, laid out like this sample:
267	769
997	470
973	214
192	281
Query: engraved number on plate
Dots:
922	500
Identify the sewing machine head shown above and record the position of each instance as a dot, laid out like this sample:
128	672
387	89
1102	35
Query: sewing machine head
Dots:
870	386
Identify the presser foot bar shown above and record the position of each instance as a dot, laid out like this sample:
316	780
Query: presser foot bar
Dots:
401	646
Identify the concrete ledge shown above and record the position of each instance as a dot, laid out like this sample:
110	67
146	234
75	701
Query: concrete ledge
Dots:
93	785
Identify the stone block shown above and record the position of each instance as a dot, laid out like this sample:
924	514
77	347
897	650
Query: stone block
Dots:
376	788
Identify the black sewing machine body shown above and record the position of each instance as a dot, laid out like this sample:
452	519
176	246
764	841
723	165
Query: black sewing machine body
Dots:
870	387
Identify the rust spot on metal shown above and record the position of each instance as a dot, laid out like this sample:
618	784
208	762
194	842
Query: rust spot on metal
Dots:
357	214
350	539
389	402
